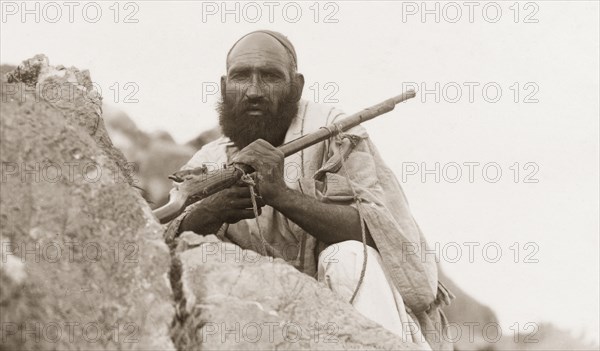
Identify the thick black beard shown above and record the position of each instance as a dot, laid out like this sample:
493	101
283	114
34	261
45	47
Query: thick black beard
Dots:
243	130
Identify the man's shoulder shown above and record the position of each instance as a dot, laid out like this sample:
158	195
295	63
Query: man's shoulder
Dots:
321	110
316	115
220	142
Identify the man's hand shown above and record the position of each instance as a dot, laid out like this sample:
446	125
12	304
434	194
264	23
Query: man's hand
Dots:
267	161
227	206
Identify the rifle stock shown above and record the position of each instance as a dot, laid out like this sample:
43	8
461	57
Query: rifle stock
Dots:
199	183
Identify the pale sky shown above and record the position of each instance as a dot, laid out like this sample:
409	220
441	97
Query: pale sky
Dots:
375	50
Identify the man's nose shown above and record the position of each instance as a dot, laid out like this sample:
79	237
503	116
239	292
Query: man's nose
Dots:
254	90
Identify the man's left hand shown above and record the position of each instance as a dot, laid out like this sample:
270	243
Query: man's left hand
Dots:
267	161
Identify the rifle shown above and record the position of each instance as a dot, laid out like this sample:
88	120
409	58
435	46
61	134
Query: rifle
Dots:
198	183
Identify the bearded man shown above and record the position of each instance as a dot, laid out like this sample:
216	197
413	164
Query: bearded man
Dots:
309	217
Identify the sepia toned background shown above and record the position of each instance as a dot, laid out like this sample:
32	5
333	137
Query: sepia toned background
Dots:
541	132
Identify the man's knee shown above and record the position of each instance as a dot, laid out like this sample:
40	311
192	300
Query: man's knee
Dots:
341	252
340	265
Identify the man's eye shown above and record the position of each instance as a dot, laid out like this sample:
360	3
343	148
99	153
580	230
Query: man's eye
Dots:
271	75
238	76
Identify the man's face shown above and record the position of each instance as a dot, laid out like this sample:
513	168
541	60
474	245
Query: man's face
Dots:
260	91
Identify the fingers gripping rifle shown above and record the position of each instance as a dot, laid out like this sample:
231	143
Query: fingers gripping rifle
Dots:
198	183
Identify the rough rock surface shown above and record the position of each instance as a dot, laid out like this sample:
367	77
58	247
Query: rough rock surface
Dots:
233	299
83	262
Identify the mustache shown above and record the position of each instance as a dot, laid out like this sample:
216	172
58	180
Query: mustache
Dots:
246	105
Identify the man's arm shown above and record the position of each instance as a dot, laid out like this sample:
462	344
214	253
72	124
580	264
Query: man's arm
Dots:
227	206
329	223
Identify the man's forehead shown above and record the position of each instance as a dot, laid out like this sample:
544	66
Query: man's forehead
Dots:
258	46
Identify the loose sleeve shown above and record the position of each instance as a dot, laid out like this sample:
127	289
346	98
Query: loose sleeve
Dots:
210	156
385	211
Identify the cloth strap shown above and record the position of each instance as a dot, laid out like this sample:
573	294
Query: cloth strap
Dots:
340	135
247	179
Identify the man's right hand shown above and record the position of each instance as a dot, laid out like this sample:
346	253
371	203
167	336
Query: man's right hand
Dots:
227	206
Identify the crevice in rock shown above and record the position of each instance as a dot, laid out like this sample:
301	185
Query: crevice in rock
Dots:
178	333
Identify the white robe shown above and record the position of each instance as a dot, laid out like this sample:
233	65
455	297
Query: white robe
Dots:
315	171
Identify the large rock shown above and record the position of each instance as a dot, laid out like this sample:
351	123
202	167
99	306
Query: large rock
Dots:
83	262
233	299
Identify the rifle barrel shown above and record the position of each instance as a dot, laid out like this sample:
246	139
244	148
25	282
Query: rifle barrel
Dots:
194	188
346	123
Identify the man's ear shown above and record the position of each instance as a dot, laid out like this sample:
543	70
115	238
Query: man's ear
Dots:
223	86
298	86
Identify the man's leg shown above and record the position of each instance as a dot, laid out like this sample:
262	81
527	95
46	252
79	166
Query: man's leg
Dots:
340	266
